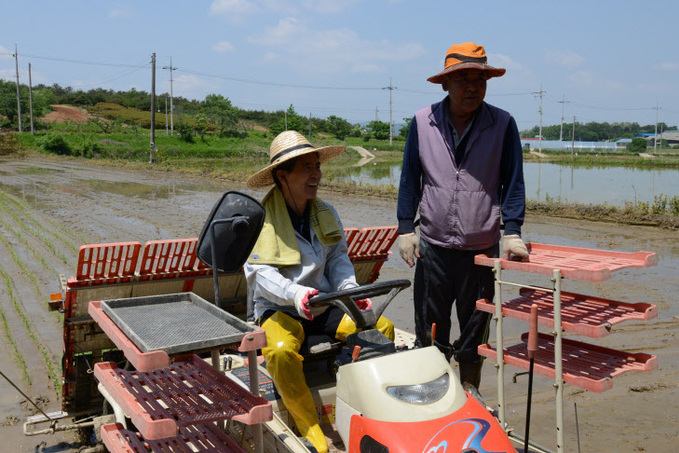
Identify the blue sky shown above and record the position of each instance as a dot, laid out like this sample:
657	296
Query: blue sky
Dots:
610	61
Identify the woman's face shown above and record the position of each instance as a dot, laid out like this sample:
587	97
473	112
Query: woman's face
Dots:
301	183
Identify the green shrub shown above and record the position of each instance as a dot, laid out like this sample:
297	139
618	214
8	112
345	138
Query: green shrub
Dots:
185	132
56	143
90	147
8	144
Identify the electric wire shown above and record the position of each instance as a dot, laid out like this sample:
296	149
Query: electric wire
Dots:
138	67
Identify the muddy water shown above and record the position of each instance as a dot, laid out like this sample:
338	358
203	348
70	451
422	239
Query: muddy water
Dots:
50	207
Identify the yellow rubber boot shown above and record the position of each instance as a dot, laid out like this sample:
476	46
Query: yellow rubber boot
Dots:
347	326
284	338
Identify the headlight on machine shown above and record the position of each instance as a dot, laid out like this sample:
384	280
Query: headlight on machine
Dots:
426	393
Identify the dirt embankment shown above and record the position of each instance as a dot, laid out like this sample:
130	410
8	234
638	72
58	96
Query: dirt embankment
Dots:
64	113
52	206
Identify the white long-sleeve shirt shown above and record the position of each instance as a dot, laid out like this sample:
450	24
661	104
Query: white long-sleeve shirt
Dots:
326	269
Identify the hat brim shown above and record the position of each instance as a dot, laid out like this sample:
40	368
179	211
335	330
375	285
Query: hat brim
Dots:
264	177
491	71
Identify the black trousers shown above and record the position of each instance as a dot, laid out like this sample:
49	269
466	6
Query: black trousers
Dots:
446	277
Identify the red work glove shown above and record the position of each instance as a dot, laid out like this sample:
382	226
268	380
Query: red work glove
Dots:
302	302
364	304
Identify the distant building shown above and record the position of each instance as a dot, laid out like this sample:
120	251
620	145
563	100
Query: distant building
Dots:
534	144
669	137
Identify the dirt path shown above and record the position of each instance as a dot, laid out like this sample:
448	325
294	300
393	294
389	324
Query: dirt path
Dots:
50	207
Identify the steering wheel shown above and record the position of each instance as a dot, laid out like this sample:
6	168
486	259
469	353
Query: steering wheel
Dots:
346	300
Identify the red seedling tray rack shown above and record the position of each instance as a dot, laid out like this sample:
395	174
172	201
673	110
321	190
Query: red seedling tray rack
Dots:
584	365
189	392
573	262
583	315
198	438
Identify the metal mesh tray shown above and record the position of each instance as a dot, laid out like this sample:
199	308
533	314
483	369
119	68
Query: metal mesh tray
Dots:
175	323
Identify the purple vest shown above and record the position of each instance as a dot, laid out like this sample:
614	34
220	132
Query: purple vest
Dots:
460	205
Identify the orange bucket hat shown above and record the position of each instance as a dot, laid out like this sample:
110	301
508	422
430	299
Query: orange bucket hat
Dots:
466	56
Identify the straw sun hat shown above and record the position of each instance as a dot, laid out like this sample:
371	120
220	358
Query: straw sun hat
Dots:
288	145
466	56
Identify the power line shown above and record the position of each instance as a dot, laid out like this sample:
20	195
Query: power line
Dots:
92	63
115	77
284	85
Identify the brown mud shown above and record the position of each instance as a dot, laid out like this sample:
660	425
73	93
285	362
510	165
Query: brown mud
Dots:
49	207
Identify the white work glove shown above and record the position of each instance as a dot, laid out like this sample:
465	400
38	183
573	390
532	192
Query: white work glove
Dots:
409	247
302	297
513	246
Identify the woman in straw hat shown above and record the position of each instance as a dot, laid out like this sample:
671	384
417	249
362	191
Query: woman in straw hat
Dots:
300	252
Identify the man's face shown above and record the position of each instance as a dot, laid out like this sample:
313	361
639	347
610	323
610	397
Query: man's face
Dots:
466	90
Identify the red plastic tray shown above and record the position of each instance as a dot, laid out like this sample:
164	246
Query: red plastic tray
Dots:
189	392
582	315
199	438
106	263
574	262
584	365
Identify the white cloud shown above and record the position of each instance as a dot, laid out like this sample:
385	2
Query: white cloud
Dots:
564	58
669	66
331	50
5	54
193	87
589	79
223	47
233	7
328	6
517	78
287	30
121	11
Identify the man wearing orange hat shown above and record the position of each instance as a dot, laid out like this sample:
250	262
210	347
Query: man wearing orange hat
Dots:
463	170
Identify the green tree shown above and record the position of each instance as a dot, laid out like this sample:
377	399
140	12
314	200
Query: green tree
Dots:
379	129
291	119
403	131
220	111
8	101
339	127
202	124
638	145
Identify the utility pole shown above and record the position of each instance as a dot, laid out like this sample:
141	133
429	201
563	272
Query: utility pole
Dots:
540	93
563	103
30	97
171	68
16	60
655	139
391	123
153	107
573	139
